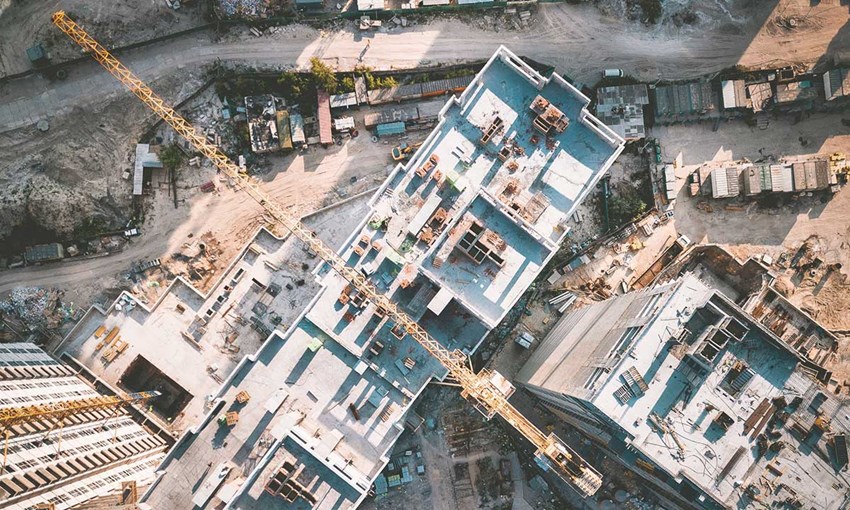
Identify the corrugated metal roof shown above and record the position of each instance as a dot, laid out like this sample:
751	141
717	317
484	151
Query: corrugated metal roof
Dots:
344	123
449	84
782	179
752	181
811	178
719	186
392	128
370	5
822	174
684	98
836	83
734	94
623	94
799	173
144	159
766	180
403	114
343	100
728	89
733	181
324	117
44	252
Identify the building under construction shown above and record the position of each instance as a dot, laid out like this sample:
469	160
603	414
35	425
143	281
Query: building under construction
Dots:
681	383
455	236
61	460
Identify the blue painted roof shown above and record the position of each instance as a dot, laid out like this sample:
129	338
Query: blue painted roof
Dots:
390	128
381	486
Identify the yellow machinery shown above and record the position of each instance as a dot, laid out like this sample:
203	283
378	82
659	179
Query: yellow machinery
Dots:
838	164
57	412
485	389
404	151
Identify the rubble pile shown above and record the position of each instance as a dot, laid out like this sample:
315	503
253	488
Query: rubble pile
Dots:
35	308
242	7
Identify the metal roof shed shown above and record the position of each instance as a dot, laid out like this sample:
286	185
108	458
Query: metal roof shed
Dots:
752	181
733	181
145	158
36	53
766	180
391	128
344	123
836	83
782	178
324	116
719	186
44	252
370	5
734	94
344	100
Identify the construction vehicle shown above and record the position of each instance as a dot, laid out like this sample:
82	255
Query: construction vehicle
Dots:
404	151
838	166
488	391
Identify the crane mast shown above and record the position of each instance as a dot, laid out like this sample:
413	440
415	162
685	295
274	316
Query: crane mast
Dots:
479	388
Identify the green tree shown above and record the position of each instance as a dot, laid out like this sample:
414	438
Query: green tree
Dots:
291	83
171	157
346	85
651	9
323	75
625	206
387	82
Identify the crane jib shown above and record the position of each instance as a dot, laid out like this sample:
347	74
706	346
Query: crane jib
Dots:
479	388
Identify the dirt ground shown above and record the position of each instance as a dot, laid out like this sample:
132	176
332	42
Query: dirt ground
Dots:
462	455
117	22
770	229
305	181
72	172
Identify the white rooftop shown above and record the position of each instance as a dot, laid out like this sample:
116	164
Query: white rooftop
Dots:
722	462
526	196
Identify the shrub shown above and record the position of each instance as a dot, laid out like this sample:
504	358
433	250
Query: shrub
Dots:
323	75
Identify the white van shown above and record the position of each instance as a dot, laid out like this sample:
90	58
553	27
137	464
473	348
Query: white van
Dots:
613	73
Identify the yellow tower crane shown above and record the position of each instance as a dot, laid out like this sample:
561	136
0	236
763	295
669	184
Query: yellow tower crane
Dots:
57	412
482	389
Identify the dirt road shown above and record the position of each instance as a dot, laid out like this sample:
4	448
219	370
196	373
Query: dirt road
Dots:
576	39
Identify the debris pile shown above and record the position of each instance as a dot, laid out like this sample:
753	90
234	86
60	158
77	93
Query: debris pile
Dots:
246	8
33	308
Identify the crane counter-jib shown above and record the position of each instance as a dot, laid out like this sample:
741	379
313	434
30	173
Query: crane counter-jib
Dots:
478	388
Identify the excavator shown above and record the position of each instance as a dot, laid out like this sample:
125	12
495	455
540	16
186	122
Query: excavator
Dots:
404	150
